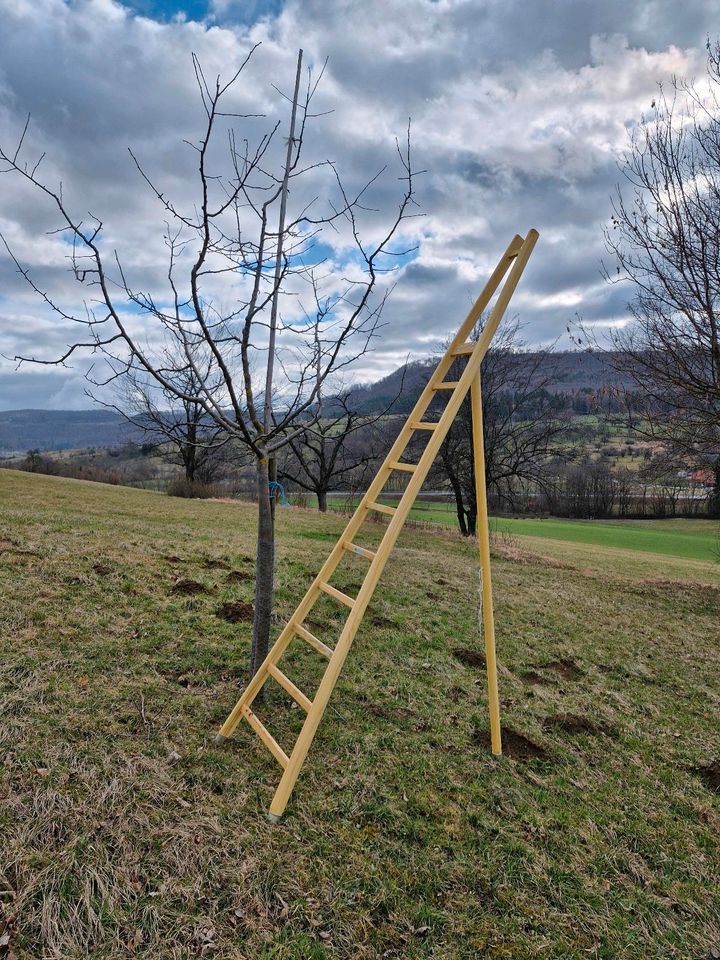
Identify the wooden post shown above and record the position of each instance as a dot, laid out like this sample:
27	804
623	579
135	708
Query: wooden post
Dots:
483	536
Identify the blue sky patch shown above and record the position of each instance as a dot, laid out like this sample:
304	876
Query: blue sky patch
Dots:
240	11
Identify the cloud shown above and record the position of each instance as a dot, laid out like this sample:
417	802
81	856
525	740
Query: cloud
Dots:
518	113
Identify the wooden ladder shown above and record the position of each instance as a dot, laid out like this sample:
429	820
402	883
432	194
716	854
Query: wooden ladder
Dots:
514	259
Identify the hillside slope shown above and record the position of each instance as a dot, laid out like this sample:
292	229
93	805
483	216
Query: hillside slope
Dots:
128	832
23	430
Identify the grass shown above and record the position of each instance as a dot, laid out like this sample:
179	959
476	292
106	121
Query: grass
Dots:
691	539
126	832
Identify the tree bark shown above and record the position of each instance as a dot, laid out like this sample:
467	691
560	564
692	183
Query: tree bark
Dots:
471	524
322	500
264	569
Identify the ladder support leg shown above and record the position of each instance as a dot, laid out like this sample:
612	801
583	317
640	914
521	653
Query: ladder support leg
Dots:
483	535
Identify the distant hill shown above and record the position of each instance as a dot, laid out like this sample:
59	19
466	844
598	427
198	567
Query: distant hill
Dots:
23	430
571	371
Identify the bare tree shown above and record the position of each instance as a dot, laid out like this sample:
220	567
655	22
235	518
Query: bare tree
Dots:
180	428
665	238
334	450
260	364
338	445
520	426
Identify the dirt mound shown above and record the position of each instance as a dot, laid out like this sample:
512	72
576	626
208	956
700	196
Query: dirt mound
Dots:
214	563
102	569
239	576
565	668
235	611
471	658
574	724
532	676
188	587
380	621
709	773
514	744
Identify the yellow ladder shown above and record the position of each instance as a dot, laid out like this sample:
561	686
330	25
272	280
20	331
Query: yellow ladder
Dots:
514	259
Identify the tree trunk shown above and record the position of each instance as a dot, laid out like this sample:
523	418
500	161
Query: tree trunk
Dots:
471	523
264	570
322	500
190	467
458	494
460	511
190	450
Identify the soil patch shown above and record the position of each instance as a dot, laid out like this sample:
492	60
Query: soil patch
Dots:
189	587
239	576
709	773
574	724
401	716
567	669
235	612
102	569
380	621
532	676
471	658
212	563
514	744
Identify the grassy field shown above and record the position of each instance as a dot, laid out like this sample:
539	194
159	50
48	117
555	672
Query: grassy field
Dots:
692	539
126	832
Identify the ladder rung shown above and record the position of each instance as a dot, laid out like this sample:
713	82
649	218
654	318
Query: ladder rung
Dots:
450	385
270	742
381	508
423	425
359	551
287	685
406	467
337	594
464	350
313	640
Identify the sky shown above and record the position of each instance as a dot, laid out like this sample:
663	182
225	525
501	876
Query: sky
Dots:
519	112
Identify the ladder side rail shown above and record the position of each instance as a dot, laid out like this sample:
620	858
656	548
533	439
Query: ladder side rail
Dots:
440	372
308	601
428	393
287	633
471	371
501	304
512	252
483	540
327	684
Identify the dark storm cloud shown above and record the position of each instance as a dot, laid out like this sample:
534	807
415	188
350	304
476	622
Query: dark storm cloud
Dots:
519	111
